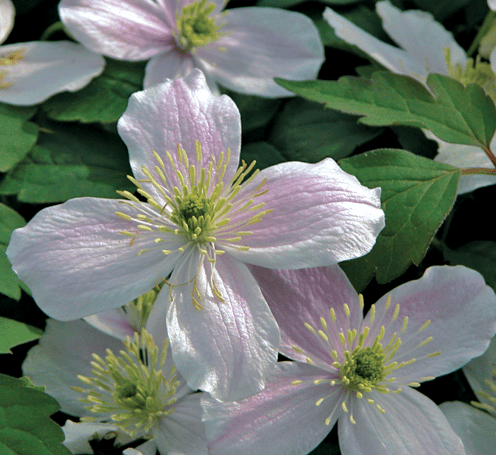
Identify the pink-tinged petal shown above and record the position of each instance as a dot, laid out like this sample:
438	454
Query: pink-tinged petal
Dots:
182	432
411	425
282	419
47	68
481	369
64	351
7	13
462	311
260	44
421	36
304	296
112	322
77	436
122	29
76	262
180	111
168	65
228	347
320	216
476	428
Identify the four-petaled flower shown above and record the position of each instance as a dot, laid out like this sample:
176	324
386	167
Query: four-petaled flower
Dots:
426	47
32	72
200	224
242	48
358	370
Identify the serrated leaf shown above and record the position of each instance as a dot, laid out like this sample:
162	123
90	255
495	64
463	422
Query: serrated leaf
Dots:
306	131
9	220
453	112
25	425
417	195
13	333
17	133
478	255
70	161
104	99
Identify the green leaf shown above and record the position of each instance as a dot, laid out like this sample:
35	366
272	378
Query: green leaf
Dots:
9	283
13	333
417	195
478	255
104	99
18	135
68	162
306	131
290	3
441	9
263	153
25	425
453	112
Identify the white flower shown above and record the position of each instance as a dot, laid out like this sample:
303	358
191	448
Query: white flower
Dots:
32	72
424	45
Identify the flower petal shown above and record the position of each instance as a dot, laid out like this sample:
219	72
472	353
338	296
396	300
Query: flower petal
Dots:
421	36
47	68
180	111
411	425
64	351
320	216
122	29
112	322
228	347
480	370
168	65
260	44
304	296
282	419
182	432
476	428
7	13
462	311
491	4
76	262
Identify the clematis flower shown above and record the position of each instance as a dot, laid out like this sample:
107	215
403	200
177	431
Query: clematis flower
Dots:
131	389
200	224
32	72
359	371
425	47
243	48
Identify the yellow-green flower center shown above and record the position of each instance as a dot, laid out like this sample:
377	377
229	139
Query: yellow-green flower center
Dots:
475	72
131	386
196	27
138	310
364	367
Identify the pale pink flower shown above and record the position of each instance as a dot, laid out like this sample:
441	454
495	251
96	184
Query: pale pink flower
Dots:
243	48
423	44
200	224
358	370
32	72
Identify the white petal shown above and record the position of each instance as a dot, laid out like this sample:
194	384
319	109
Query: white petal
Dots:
421	36
260	44
304	296
491	4
282	419
112	322
64	351
411	425
320	216
182	432
476	428
228	347
76	262
169	65
180	111
7	13
47	68
461	309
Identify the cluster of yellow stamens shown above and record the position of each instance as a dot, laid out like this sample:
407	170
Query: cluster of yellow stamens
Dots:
492	398
131	387
363	365
138	310
199	211
7	60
